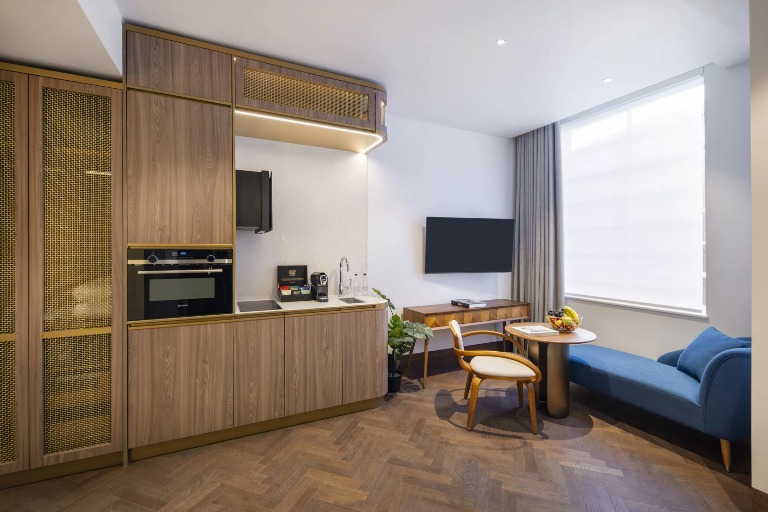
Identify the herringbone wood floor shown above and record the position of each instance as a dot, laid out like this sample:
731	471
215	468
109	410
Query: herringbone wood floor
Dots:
413	453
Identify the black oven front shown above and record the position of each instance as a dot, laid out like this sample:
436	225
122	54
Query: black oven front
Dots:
169	283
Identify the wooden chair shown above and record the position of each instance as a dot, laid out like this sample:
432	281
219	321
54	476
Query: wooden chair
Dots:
491	364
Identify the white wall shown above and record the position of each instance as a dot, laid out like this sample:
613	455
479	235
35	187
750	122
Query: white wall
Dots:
728	253
431	170
319	208
758	16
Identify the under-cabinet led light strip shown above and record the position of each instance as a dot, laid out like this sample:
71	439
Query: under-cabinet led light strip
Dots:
379	138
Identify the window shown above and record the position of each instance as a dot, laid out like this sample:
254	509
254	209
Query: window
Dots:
633	202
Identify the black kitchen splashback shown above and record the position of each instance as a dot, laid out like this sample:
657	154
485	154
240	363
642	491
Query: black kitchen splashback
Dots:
253	192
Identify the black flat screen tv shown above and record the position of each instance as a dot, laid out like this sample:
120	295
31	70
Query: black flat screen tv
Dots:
457	245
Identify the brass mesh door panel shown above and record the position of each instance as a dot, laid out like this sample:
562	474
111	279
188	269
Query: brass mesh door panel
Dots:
13	339
72	286
285	91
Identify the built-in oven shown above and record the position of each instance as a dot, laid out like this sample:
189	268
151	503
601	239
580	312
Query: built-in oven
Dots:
169	283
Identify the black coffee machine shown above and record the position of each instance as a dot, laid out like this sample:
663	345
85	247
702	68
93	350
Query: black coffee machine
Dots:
319	282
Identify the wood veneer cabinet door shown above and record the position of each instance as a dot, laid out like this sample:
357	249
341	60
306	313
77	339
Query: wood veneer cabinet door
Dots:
179	382
14	340
179	171
312	362
259	370
364	348
178	68
76	271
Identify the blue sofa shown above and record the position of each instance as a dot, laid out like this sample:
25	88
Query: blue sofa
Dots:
706	386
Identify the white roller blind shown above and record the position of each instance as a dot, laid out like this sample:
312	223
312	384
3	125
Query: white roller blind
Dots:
633	201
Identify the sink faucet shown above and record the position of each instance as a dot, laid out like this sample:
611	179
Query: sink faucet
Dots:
341	280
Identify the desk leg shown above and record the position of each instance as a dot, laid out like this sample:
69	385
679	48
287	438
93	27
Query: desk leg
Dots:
557	380
426	356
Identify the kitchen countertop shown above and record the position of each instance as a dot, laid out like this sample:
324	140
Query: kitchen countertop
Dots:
311	305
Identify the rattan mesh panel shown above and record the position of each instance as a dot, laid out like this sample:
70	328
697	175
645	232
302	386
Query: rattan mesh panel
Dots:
293	92
7	203
7	401
7	271
77	183
77	389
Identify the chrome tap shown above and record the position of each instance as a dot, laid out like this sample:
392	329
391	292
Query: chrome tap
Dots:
341	280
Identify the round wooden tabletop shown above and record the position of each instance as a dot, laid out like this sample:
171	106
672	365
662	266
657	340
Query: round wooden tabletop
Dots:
570	338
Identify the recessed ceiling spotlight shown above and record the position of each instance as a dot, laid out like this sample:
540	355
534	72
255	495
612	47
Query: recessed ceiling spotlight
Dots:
607	80
501	42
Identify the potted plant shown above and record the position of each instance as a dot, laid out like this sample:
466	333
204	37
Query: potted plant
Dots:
401	335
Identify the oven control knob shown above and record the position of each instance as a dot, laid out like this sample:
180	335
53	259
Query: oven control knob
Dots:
211	258
152	258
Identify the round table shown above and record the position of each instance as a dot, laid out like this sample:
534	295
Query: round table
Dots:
550	354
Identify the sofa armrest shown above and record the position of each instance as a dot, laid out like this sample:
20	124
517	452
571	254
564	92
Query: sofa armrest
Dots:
670	358
725	394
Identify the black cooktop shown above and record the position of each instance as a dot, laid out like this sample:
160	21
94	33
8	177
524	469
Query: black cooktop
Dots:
257	305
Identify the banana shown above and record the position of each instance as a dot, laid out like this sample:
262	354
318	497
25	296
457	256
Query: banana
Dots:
571	313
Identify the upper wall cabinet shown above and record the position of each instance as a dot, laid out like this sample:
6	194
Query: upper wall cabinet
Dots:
281	90
179	171
177	68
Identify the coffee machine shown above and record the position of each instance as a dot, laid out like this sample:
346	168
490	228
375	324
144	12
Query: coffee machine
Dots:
319	283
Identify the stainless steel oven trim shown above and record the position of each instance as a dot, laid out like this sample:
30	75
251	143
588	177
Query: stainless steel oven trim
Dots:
190	271
181	262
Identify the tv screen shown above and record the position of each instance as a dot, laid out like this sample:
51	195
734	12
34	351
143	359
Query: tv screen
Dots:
468	245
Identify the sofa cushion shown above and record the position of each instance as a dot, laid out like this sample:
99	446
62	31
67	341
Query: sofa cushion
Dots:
639	381
701	350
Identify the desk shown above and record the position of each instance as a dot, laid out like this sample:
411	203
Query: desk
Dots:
550	354
438	317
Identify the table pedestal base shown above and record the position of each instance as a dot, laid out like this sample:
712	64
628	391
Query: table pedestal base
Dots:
552	360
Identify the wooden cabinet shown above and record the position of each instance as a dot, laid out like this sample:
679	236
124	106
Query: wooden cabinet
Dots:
62	265
364	348
282	90
14	341
163	65
313	362
179	382
179	171
259	370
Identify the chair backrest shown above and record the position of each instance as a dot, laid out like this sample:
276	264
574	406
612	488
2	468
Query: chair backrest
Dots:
458	341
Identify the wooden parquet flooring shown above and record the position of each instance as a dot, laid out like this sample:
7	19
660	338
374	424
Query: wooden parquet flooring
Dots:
414	454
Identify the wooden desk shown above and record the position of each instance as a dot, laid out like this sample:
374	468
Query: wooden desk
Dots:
550	354
438	316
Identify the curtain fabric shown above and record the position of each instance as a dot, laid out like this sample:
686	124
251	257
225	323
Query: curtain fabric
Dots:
537	275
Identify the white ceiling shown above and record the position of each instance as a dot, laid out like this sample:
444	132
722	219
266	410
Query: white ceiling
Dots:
438	59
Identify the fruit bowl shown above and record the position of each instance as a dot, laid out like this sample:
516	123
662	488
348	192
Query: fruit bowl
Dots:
564	320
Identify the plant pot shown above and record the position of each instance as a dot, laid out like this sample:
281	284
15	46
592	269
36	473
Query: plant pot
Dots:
393	382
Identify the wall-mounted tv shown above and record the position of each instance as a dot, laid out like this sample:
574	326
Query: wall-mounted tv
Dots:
468	245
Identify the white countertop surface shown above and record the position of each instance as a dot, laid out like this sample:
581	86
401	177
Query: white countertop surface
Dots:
309	305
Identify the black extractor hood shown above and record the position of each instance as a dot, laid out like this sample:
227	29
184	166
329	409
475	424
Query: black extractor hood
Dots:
253	193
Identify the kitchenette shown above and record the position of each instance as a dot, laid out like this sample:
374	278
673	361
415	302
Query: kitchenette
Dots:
193	238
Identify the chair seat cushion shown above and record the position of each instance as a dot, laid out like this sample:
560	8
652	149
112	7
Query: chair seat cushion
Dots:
500	367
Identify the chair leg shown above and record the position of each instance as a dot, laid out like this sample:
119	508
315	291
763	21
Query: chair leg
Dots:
725	447
473	400
532	407
520	393
469	381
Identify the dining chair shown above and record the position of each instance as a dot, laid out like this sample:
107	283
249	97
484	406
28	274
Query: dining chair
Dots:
491	364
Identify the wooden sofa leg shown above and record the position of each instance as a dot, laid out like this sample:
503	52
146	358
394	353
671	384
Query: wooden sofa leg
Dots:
725	447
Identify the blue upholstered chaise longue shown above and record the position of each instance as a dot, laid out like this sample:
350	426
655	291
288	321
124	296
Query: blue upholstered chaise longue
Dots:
706	386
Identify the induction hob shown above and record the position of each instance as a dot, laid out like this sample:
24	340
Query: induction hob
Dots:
249	306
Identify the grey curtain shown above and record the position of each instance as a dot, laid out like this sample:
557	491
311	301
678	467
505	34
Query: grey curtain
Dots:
537	276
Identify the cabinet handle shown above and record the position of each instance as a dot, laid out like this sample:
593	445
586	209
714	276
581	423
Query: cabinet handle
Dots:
200	271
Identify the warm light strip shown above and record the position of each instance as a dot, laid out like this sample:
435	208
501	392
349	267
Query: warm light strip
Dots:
379	138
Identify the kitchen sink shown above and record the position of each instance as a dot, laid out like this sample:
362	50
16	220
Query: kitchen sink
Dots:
351	300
